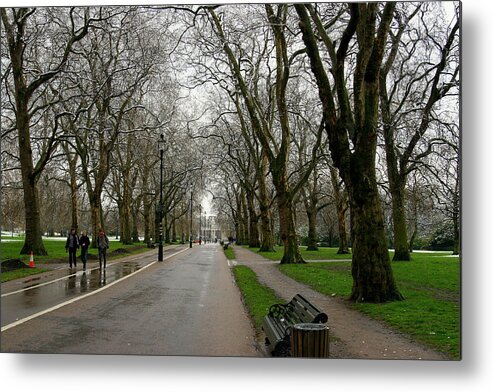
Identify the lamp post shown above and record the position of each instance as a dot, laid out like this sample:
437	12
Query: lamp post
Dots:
200	224
191	209
205	226
161	208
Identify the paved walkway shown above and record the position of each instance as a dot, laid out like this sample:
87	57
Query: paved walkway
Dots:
187	305
353	335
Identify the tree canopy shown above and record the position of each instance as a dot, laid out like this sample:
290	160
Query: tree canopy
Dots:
316	124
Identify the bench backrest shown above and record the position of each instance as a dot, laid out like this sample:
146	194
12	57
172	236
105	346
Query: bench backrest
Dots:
305	311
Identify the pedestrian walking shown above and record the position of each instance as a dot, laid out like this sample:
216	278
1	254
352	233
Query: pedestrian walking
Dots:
84	248
102	243
71	246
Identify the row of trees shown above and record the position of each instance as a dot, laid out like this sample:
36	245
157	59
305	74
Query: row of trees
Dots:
334	86
278	109
86	94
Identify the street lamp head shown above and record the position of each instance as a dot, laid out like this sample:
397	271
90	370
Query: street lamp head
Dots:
161	142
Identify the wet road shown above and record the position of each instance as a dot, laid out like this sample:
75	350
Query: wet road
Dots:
187	305
33	297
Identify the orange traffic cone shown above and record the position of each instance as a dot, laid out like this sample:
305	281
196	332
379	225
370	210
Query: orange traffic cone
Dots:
31	260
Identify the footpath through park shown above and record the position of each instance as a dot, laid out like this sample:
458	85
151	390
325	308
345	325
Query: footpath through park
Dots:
353	335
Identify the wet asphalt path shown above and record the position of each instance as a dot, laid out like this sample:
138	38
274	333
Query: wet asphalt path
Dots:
36	294
187	305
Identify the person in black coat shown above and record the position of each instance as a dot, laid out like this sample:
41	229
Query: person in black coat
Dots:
84	247
71	246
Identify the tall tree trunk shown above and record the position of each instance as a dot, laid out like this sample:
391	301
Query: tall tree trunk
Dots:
167	228
456	218
242	217
267	243
309	196
373	279
173	227
135	222
397	181
287	228
278	164
237	229
413	237
341	208
33	240
74	190
456	250
312	229
147	223
95	191
126	231
399	223
253	235
331	237
372	276
96	216
125	209
147	206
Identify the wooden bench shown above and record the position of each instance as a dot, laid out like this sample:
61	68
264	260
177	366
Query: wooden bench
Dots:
280	320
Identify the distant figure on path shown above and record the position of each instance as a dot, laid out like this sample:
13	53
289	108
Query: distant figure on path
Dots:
102	243
71	246
84	247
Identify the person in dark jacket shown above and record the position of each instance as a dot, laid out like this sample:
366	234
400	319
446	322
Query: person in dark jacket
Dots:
84	247
102	243
71	246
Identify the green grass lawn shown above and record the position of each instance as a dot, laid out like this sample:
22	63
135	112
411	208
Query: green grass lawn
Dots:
229	253
430	284
20	273
320	254
257	297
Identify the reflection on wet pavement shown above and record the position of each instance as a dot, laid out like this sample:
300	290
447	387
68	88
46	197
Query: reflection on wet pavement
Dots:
36	298
87	281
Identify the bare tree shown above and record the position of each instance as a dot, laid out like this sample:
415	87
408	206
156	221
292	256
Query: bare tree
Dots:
443	177
340	197
352	132
277	150
63	29
113	69
410	91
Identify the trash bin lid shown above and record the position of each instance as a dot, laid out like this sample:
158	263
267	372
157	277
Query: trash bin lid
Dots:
310	326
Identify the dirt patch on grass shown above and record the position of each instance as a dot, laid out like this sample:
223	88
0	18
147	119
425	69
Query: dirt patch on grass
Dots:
12	265
119	251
